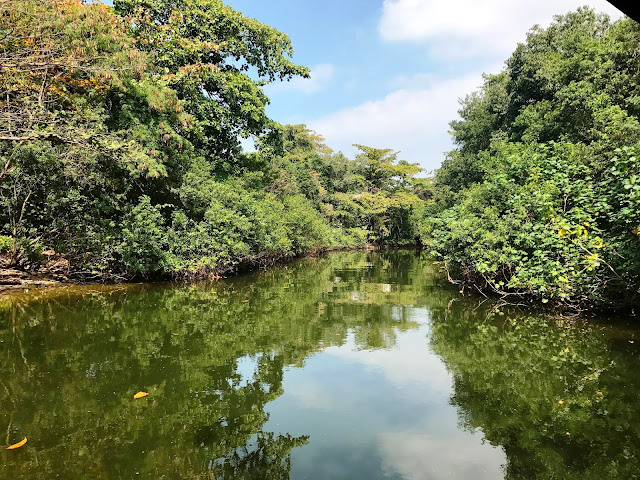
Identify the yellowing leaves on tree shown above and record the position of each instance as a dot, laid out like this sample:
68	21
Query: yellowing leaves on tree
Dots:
140	395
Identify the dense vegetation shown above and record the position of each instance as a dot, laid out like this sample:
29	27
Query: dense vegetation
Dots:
120	134
541	197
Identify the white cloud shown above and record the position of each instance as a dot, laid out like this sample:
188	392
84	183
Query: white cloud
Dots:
414	120
419	80
472	27
414	116
321	76
417	456
406	365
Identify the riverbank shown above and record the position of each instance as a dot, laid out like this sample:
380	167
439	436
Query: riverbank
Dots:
56	270
53	270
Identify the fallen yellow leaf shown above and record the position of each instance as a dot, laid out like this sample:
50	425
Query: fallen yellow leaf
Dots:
18	445
140	395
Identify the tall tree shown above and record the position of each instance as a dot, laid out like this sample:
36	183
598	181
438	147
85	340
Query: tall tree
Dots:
217	60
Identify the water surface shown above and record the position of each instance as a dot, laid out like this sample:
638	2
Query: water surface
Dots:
357	366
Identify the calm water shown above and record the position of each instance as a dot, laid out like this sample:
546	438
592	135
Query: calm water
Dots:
356	366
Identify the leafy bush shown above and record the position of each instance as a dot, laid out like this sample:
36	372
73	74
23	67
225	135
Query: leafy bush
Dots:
144	238
6	244
541	197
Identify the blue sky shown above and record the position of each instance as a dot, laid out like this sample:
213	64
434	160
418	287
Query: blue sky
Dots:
389	73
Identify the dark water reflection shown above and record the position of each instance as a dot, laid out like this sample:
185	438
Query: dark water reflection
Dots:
360	365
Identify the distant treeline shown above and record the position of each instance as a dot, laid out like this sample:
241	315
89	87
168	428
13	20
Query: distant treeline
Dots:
120	134
541	197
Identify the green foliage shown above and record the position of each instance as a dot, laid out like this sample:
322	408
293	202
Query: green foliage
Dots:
61	59
120	148
371	196
540	197
144	238
203	50
6	243
305	226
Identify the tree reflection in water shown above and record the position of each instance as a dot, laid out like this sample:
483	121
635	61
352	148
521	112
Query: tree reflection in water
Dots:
73	358
559	397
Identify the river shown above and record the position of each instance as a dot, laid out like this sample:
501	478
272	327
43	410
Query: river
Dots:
360	365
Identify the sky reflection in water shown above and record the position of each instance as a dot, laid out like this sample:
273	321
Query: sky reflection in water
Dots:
361	365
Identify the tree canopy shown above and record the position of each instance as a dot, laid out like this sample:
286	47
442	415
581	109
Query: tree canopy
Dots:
540	196
120	145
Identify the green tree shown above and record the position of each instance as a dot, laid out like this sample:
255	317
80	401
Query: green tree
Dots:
539	197
208	53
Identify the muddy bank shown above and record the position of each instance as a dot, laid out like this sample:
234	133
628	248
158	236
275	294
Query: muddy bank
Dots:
12	279
52	271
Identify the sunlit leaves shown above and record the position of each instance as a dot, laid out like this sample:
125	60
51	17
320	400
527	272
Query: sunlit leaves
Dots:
542	192
206	50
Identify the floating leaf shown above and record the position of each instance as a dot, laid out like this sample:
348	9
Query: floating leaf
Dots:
18	445
140	395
